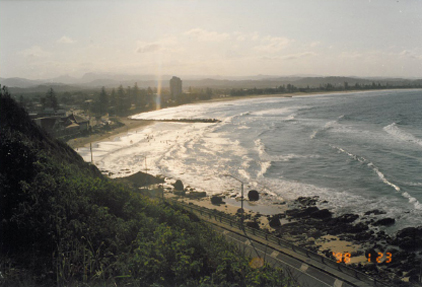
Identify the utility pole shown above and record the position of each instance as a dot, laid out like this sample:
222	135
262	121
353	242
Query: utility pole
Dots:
241	197
92	156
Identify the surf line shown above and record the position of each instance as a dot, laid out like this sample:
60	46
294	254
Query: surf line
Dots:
411	199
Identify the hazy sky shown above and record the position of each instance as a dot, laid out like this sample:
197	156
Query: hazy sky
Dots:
45	39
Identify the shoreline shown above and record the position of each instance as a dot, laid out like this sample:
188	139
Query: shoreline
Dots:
298	225
302	223
129	125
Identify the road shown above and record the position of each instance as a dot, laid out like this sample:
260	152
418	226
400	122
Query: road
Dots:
308	269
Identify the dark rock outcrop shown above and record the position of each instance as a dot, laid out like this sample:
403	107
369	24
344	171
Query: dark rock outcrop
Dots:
384	222
375	212
253	195
322	214
178	185
274	222
217	200
252	224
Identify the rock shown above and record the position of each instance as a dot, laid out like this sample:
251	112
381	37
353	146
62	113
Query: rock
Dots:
384	222
414	279
306	201
410	243
274	222
347	218
363	236
180	192
301	212
253	195
360	227
178	185
197	194
375	212
410	231
252	224
321	214
217	200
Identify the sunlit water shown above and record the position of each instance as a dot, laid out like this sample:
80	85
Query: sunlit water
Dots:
357	151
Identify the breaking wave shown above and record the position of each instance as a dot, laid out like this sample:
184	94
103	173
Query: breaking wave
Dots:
396	132
381	176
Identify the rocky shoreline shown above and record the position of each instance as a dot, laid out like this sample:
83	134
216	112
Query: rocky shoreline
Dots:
396	258
393	258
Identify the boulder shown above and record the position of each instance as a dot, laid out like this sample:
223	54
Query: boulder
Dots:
410	243
306	201
252	224
217	200
347	218
253	195
274	222
178	185
321	214
193	194
302	212
384	222
375	212
410	231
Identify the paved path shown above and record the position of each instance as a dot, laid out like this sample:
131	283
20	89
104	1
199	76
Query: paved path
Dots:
305	270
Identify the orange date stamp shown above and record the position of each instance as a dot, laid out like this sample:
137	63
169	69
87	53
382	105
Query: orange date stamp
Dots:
380	258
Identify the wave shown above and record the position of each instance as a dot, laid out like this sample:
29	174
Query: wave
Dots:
381	176
327	126
396	132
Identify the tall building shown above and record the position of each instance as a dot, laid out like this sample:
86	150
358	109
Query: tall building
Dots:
175	86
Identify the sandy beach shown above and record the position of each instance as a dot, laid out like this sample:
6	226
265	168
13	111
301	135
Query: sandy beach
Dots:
303	222
129	125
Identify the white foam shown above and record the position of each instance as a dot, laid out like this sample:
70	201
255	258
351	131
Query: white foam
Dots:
396	132
327	126
411	199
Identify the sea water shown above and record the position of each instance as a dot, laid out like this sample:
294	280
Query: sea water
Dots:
357	151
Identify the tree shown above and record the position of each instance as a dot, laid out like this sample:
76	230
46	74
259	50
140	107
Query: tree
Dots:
103	98
346	85
113	102
66	98
136	95
50	100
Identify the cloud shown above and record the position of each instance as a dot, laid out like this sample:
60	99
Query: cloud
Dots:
273	44
65	40
34	52
207	36
148	47
298	56
350	55
410	54
291	56
314	44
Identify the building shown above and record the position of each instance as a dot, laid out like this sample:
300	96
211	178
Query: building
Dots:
175	87
63	125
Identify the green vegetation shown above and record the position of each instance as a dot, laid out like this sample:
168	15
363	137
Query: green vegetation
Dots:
62	223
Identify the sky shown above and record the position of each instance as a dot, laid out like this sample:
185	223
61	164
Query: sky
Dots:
365	38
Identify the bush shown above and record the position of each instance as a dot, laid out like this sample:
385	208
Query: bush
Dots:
64	224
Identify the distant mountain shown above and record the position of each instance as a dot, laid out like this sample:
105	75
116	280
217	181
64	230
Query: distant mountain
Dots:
110	80
19	82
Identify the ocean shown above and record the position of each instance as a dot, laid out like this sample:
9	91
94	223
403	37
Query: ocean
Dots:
357	151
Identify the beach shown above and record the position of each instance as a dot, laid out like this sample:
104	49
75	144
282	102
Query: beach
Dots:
318	162
128	125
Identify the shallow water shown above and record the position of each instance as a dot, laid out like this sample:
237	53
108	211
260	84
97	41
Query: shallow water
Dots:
359	151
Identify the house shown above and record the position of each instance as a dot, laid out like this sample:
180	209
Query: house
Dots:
63	125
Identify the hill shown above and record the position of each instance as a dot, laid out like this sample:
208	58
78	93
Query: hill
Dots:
63	224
